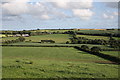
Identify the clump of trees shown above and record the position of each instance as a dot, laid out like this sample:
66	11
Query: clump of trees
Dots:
47	41
85	47
67	42
94	49
20	39
114	43
84	40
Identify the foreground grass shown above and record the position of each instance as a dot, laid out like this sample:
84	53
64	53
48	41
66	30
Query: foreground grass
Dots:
58	69
39	62
47	53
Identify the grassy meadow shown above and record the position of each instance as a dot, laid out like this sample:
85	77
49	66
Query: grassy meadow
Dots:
99	31
94	37
58	38
9	38
112	53
57	62
58	44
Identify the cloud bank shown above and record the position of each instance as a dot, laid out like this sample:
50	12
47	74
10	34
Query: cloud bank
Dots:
47	10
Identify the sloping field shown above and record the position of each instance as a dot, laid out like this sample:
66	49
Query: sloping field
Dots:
99	31
56	62
97	37
9	38
112	53
58	38
57	44
94	37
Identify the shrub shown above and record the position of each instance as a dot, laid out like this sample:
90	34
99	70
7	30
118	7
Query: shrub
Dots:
67	42
17	61
95	49
28	62
85	47
21	39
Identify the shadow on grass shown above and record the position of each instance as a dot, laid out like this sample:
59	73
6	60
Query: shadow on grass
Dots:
105	56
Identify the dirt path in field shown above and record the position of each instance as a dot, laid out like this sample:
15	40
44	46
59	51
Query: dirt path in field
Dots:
78	60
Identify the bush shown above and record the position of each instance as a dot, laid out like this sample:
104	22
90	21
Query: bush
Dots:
67	42
21	39
17	61
85	47
95	49
28	62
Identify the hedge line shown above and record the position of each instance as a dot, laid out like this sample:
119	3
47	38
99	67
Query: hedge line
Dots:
53	46
99	54
38	45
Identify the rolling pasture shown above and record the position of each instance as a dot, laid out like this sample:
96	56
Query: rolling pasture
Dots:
99	31
9	38
58	38
58	44
56	62
112	53
97	37
94	37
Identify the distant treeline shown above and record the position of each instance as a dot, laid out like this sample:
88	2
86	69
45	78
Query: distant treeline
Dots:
83	40
69	31
100	34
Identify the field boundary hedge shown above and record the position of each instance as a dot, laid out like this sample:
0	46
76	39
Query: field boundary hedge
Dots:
105	56
52	46
38	45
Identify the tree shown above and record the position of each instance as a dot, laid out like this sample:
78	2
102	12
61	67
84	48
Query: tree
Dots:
114	43
67	42
85	47
21	39
95	49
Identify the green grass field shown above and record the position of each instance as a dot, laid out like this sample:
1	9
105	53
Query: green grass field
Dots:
9	38
56	62
57	44
112	53
58	38
97	37
94	37
98	31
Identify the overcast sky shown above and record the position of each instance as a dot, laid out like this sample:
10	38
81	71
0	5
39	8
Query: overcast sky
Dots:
27	14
